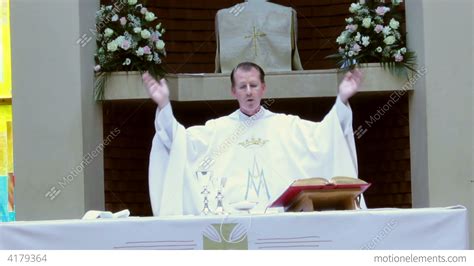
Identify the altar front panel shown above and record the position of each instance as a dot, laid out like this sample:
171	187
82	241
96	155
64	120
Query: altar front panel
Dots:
429	228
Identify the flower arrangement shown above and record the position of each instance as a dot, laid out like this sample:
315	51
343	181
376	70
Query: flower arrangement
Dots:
128	39
372	34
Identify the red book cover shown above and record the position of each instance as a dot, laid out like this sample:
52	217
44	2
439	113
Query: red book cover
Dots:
293	191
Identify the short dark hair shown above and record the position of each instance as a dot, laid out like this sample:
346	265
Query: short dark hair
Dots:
247	66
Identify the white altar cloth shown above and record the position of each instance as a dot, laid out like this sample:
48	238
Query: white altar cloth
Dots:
426	228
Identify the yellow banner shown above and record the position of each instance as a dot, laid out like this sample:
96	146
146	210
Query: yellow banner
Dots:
5	50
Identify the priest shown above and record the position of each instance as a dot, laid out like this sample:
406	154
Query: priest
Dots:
249	156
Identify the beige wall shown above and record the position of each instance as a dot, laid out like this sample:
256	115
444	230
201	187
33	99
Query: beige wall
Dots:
56	121
441	113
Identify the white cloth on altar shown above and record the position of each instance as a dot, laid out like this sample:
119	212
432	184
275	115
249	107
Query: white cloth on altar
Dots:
260	156
374	229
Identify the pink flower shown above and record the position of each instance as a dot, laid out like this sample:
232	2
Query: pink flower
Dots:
125	45
398	58
97	68
356	48
143	10
146	50
155	37
351	27
341	50
381	10
378	28
123	21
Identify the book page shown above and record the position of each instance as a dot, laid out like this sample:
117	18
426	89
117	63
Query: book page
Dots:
311	181
338	180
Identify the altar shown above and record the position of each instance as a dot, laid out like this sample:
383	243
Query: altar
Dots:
396	229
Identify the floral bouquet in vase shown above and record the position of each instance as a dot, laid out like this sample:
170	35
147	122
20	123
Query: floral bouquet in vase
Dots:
373	34
128	39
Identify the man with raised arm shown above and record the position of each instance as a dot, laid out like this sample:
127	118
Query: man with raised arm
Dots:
258	152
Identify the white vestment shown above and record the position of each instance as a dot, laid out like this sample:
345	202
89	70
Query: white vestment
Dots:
260	156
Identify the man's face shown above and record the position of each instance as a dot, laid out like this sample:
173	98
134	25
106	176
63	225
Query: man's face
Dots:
248	90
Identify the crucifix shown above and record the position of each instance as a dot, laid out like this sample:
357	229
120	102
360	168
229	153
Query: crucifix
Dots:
254	37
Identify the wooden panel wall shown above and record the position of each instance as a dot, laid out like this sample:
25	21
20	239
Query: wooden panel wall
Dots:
190	36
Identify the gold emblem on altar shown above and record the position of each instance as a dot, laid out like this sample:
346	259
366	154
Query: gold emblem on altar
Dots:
253	142
225	236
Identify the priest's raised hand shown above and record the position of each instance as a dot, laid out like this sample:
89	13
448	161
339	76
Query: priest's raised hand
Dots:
158	90
350	85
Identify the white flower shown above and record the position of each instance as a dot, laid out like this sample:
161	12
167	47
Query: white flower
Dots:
365	41
349	20
150	16
132	2
97	68
389	40
114	17
108	32
156	58
140	51
350	53
378	49
137	29
109	7
366	22
160	45
394	24
145	34
354	7
403	50
357	37
396	2
127	62
386	30
143	10
149	57
120	39
112	46
342	39
158	26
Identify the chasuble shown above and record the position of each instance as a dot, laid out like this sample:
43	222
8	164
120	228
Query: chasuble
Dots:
259	157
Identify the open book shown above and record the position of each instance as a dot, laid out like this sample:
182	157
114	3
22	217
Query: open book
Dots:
337	193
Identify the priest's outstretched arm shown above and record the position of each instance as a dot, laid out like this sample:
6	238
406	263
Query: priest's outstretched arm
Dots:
349	86
173	146
330	143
